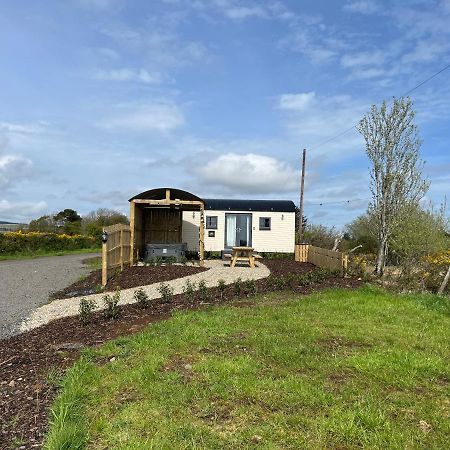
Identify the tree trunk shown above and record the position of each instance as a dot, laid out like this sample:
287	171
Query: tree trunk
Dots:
381	257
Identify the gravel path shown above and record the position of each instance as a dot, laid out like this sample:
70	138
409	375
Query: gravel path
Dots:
217	270
27	283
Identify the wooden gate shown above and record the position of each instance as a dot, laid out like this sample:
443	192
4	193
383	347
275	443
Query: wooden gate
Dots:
116	250
322	257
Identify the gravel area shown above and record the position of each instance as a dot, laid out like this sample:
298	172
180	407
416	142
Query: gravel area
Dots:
217	270
27	283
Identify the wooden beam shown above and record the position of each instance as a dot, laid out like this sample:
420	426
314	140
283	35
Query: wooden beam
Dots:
202	236
168	195
121	249
104	263
164	202
132	228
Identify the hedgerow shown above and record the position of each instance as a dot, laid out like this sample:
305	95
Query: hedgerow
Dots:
34	241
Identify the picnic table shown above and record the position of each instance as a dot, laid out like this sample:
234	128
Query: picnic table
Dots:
244	254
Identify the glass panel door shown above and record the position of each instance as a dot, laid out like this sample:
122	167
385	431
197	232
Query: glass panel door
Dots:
230	230
238	231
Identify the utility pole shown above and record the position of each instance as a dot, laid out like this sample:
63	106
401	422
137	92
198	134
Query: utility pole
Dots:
302	189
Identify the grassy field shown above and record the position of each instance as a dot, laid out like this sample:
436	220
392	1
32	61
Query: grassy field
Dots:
337	369
4	257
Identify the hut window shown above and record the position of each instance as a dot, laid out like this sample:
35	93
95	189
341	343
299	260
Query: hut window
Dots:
264	223
211	222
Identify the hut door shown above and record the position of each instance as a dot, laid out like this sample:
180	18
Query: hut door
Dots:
238	230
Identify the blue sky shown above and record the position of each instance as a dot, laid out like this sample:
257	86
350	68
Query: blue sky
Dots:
102	99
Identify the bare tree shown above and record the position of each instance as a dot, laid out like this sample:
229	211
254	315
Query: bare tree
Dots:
392	146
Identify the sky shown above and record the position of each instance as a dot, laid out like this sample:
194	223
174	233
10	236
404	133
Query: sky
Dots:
103	99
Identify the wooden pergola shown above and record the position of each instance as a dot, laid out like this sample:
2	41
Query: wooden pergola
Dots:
174	202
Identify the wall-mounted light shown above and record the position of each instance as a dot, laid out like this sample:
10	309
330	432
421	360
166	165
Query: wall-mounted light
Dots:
104	237
193	214
282	216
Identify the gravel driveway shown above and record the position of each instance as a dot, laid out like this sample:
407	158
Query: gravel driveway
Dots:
218	270
26	284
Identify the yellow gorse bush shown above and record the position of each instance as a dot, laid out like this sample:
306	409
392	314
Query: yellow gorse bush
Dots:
20	234
440	259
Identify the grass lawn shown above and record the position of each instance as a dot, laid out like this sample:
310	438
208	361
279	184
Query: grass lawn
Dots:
48	253
337	369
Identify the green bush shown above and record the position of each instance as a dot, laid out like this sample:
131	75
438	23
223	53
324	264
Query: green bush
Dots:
189	290
34	242
166	292
86	308
221	286
111	303
202	290
141	298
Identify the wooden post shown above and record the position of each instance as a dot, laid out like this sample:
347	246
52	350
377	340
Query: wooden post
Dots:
132	228
167	195
302	189
121	248
104	263
344	264
444	283
202	236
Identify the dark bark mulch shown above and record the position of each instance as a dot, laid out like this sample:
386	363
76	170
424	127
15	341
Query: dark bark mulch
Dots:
26	360
280	267
129	278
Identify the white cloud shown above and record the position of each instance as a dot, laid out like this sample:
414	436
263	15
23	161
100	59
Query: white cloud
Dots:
21	211
248	174
313	121
100	4
362	6
358	59
13	169
296	102
244	12
157	117
24	128
127	74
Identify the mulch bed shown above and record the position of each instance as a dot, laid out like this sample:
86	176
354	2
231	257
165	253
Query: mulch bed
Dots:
130	277
27	391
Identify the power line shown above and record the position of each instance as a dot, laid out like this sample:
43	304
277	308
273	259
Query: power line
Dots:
342	133
338	202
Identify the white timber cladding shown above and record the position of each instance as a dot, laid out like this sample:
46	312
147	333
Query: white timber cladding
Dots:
280	238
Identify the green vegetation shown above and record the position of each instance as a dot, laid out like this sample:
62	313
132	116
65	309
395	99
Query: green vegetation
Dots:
337	369
41	253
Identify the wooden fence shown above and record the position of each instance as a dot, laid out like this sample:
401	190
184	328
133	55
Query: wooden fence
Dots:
116	250
322	257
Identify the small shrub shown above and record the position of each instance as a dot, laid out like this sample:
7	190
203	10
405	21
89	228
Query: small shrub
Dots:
166	292
189	290
158	260
238	286
170	260
279	283
141	298
183	260
290	280
111	303
202	290
221	286
85	310
251	287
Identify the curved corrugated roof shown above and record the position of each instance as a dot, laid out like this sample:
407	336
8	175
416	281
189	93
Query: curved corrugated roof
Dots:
223	204
160	194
